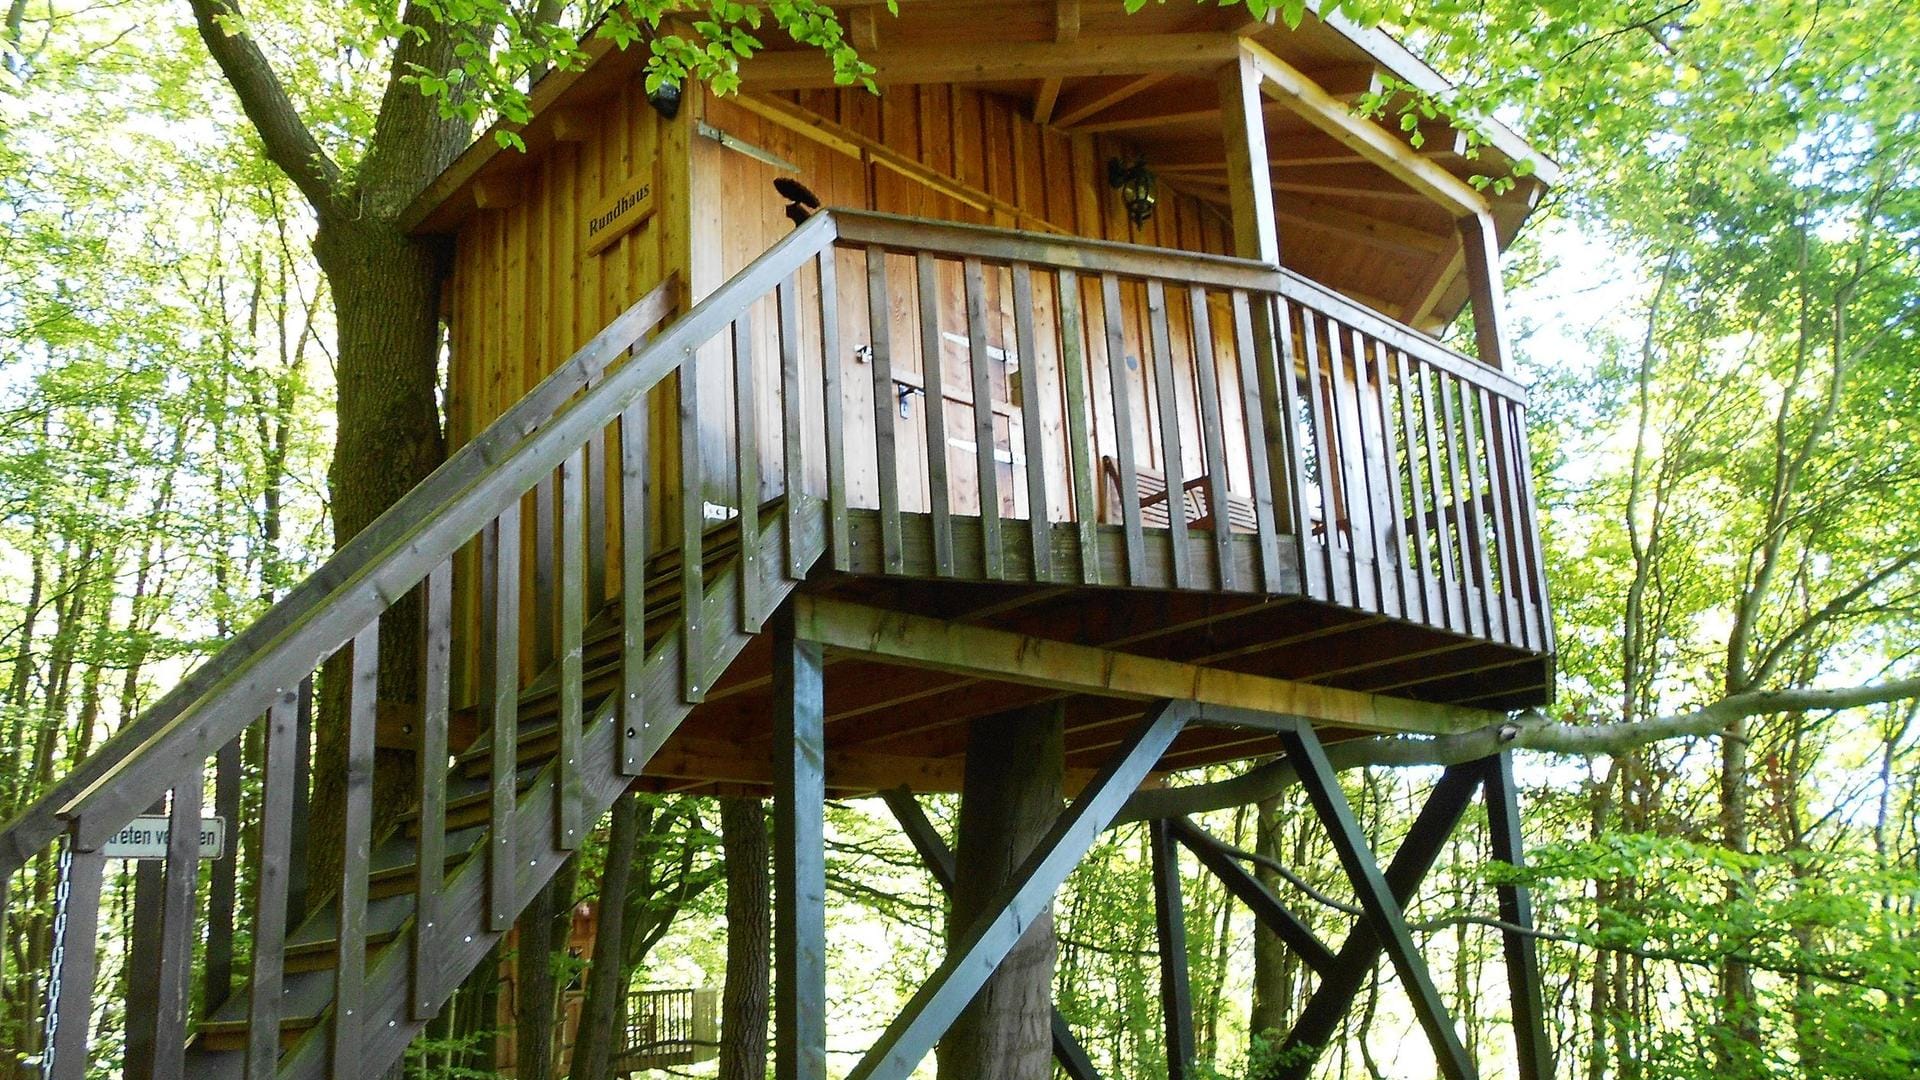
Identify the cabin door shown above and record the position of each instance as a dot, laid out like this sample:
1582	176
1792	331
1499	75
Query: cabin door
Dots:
956	398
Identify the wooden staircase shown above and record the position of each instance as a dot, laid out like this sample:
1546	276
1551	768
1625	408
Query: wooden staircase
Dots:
417	909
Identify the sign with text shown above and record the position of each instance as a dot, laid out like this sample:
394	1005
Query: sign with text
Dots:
146	837
617	215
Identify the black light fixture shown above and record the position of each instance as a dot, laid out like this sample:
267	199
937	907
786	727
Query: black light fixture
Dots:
665	100
1135	183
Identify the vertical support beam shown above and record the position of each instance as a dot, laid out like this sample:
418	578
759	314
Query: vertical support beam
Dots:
1481	247
799	856
1516	909
1170	925
1256	232
1383	911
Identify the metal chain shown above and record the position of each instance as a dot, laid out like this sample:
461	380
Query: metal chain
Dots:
57	959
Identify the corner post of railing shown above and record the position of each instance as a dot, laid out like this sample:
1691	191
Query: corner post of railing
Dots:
71	961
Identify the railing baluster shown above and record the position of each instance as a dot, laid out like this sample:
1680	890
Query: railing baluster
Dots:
1129	469
1420	525
1315	560
933	405
222	882
1366	483
793	430
1039	527
1440	483
569	821
693	527
1500	480
832	405
886	455
76	937
1476	616
500	604
1381	415
596	502
1536	558
430	864
1214	468
1073	372
279	781
633	588
1266	420
1171	457
988	469
178	930
356	843
1333	502
746	454
1478	526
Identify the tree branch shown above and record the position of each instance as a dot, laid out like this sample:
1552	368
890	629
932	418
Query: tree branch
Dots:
264	99
1528	732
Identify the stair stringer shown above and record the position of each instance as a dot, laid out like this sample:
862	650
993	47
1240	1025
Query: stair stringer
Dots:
388	1023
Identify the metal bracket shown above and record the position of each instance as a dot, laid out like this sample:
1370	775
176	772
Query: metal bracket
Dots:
741	146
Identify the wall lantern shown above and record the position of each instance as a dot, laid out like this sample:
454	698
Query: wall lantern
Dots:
665	100
1135	183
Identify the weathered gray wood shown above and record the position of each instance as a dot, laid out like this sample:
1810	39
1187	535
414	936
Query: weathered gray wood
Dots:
178	930
222	885
800	875
1491	608
1266	421
985	466
794	427
1458	496
350	960
1212	439
1321	1016
77	927
431	853
1383	911
880	361
746	458
143	965
1419	525
633	584
500	704
973	957
544	499
1535	1052
1161	361
1029	352
596	499
1170	935
1445	534
1531	528
1339	566
1506	509
33	828
1266	907
1383	486
1283	439
570	826
693	527
832	404
270	898
302	802
1127	463
1073	370
934	408
1350	467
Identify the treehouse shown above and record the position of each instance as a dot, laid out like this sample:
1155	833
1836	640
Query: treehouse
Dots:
1087	370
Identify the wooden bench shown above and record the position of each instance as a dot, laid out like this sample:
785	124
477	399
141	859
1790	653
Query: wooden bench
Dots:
1194	499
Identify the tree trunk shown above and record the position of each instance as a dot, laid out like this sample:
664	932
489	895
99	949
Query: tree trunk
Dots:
1272	977
1011	796
544	928
601	1035
743	1002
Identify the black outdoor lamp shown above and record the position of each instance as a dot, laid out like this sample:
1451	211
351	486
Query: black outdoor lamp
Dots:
665	100
1135	183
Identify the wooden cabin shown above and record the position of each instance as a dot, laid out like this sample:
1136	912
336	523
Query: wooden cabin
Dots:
971	190
1089	363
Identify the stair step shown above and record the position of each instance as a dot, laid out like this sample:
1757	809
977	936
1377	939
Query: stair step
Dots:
231	1035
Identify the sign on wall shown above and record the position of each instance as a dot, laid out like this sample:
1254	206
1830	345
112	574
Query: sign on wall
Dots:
146	837
617	214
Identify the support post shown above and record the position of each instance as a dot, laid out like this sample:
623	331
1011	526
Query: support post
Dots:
800	875
1266	907
974	956
1067	1051
1170	926
1516	910
1383	912
1243	125
1481	247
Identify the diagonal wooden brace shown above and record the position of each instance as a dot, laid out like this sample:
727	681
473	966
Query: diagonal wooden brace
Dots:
979	952
1266	907
1383	912
1067	1051
1331	1000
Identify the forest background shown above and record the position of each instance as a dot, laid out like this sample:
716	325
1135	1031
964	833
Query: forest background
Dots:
1716	310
